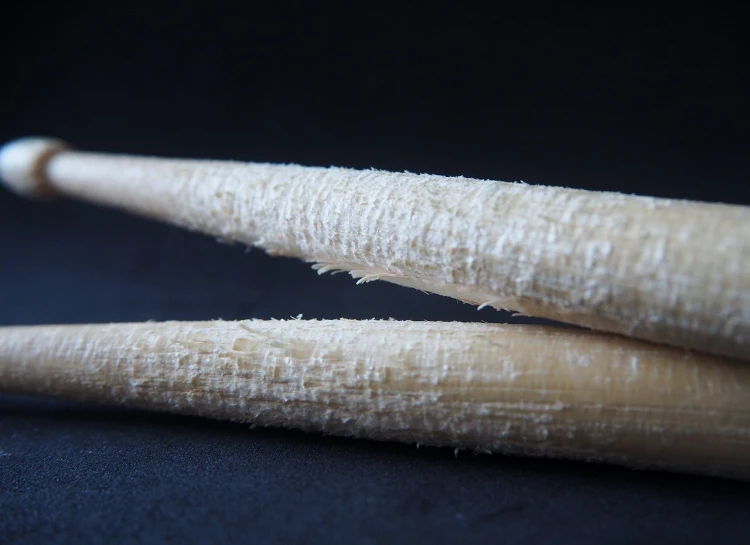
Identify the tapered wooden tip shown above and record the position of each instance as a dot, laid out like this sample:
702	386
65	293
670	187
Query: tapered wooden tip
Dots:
23	163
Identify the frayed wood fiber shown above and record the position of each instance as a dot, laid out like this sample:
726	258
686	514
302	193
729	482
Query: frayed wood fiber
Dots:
668	271
539	391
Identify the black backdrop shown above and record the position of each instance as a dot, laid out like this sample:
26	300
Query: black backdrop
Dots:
635	101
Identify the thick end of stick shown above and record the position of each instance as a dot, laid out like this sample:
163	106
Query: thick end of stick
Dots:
23	165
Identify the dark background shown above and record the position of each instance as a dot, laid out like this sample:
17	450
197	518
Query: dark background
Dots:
636	100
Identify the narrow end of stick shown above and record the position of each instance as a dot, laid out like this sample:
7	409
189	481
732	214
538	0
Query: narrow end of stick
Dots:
23	164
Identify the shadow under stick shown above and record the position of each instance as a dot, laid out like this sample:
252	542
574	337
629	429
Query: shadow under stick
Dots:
528	390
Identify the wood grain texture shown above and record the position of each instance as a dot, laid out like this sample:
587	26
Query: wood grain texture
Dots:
511	389
668	271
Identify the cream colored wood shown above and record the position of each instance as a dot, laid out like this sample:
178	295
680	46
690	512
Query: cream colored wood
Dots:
538	391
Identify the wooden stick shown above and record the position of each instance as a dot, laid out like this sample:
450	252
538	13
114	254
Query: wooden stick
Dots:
511	389
668	271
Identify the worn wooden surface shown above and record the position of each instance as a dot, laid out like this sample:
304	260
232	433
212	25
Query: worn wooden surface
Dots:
510	389
668	271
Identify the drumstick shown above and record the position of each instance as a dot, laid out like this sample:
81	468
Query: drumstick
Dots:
668	271
512	389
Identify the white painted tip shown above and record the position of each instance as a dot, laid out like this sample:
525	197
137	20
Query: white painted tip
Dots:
23	163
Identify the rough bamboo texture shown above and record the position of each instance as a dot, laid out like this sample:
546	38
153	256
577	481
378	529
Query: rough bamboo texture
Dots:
673	272
539	391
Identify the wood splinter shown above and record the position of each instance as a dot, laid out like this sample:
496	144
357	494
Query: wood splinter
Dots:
668	271
511	389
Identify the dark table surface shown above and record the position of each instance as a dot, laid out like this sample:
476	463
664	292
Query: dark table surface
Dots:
639	102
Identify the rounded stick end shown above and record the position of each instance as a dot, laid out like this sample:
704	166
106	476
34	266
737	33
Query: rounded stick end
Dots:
23	165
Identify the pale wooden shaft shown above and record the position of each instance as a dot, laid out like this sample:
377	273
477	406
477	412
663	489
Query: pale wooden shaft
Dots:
668	271
509	389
